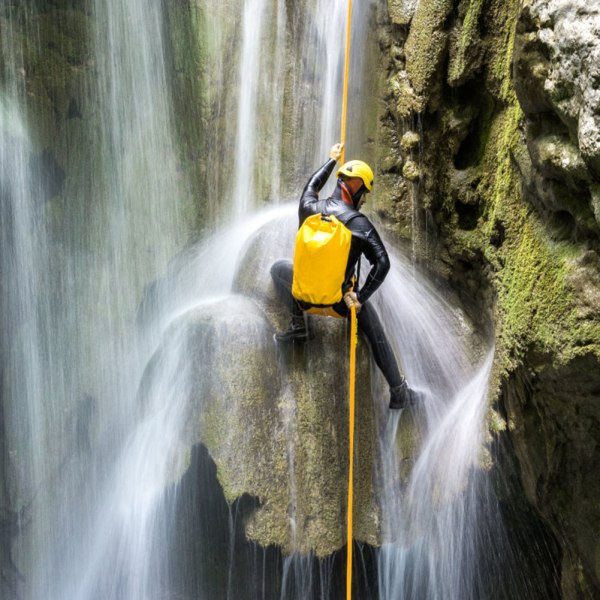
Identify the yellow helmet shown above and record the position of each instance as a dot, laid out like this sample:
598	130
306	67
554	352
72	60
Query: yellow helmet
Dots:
358	168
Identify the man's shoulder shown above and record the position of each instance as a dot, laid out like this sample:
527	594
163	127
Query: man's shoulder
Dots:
356	220
310	206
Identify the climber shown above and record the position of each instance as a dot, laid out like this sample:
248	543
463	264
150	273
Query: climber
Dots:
355	180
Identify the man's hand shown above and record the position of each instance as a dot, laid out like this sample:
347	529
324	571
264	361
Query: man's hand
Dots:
351	300
336	151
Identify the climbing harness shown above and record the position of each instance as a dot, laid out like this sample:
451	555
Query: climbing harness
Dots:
353	335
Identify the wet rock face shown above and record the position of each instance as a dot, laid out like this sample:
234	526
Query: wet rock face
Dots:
553	410
275	419
402	11
490	146
565	36
557	80
553	419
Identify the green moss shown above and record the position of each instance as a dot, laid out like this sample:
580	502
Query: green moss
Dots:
426	43
535	305
468	36
533	299
503	18
500	184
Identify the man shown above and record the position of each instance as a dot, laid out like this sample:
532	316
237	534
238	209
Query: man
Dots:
355	180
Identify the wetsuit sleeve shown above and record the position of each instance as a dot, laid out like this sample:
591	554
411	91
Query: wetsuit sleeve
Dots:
310	194
377	256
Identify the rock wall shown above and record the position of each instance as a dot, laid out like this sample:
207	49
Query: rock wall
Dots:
489	157
272	417
489	154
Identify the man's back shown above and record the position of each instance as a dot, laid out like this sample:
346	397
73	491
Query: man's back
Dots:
365	239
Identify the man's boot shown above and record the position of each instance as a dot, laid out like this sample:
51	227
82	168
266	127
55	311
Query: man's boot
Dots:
296	332
402	396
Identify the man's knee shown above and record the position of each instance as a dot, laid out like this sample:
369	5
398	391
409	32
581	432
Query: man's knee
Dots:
368	319
281	270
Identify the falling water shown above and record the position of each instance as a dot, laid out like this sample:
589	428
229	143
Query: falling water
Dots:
24	268
430	546
98	378
79	262
249	79
22	245
278	136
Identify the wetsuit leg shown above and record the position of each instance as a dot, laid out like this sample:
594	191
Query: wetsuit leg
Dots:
369	323
282	273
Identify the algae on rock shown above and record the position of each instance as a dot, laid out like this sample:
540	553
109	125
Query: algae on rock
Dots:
508	178
272	417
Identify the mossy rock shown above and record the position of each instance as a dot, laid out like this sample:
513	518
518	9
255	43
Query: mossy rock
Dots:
558	158
402	11
466	50
426	44
410	140
411	171
275	420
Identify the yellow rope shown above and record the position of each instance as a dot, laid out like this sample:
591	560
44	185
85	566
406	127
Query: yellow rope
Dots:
353	335
353	340
346	71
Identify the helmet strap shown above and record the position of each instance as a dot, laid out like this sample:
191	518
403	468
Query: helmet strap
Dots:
358	196
346	193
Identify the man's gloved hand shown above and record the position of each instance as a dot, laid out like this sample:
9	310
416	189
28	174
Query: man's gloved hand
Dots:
351	299
336	151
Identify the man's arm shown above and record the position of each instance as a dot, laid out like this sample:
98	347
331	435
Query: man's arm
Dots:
377	255
317	180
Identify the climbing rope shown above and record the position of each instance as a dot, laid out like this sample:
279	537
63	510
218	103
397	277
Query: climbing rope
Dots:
346	71
353	335
353	340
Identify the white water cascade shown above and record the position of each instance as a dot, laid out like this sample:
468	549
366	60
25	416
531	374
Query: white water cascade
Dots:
80	262
101	367
23	316
431	547
273	140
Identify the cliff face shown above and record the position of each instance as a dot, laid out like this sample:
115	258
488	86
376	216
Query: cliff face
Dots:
492	119
489	156
272	417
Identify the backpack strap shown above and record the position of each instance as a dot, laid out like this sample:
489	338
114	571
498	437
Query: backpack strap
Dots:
346	217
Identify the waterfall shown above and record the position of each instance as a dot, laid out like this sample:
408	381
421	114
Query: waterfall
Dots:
430	520
98	378
23	313
312	77
24	268
78	262
249	81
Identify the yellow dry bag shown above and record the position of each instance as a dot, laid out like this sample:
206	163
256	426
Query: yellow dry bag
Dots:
320	259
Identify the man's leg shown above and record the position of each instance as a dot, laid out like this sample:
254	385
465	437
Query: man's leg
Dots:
370	324
282	273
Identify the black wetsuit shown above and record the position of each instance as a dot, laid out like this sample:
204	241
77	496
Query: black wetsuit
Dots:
365	240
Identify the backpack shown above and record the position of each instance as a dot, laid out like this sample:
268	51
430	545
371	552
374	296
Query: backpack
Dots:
320	259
